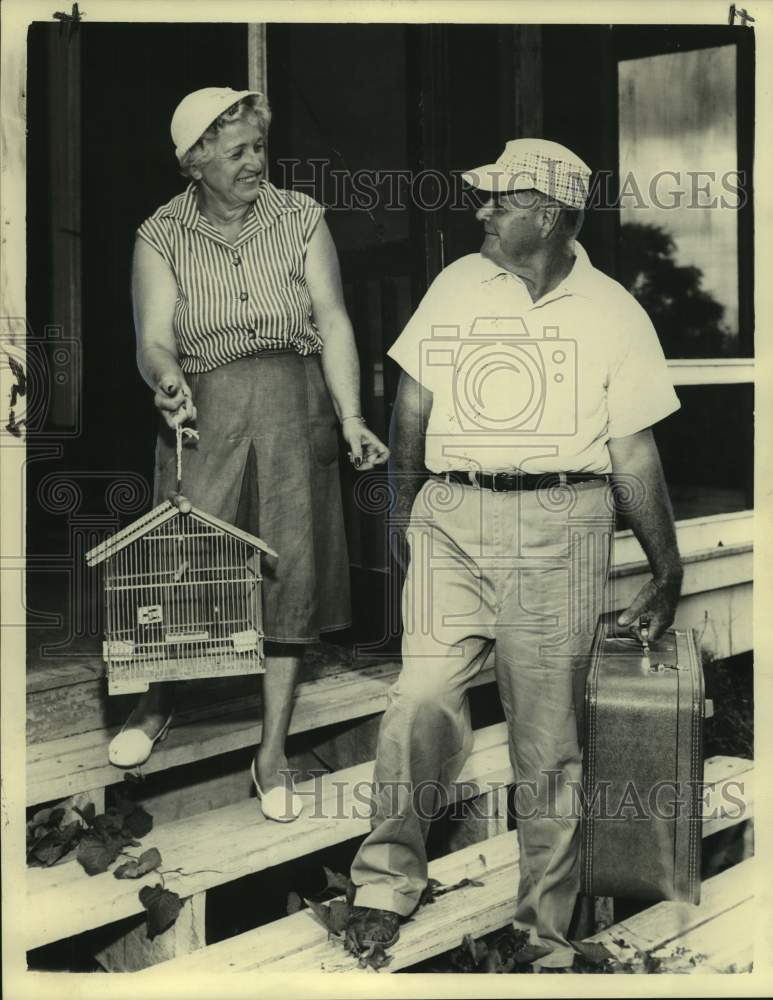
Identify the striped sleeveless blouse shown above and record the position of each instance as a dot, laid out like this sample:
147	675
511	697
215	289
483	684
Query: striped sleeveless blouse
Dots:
234	300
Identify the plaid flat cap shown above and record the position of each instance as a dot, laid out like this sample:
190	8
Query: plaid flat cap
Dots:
538	164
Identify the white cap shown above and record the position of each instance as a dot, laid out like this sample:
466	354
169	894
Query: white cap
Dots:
196	112
540	164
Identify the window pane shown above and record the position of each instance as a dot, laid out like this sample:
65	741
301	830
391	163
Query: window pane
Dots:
679	197
707	450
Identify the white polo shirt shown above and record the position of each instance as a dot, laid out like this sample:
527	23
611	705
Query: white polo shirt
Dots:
537	386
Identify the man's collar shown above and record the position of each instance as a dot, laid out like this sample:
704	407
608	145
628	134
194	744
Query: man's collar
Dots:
575	282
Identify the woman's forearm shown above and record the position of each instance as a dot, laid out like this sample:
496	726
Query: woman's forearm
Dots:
156	363
341	366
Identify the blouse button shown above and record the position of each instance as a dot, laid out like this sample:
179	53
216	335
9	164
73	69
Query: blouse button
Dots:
243	296
236	260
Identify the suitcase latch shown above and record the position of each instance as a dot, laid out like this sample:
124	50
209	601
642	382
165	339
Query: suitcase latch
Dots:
659	668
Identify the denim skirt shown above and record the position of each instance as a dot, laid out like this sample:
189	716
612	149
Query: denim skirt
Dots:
267	462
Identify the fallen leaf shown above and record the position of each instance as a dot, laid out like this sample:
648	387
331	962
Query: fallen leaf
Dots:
163	908
593	952
339	911
138	823
374	958
40	817
96	856
148	861
49	849
321	911
477	949
87	813
430	891
335	880
56	817
495	963
108	823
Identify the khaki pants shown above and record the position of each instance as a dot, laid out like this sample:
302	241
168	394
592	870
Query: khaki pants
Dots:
525	571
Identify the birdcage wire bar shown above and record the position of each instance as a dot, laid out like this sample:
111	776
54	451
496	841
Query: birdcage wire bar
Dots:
183	602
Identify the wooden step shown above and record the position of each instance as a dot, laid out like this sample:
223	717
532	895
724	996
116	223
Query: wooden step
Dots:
63	767
229	843
67	693
704	938
710	937
299	943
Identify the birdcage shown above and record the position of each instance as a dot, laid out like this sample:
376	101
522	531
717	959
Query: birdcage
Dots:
182	597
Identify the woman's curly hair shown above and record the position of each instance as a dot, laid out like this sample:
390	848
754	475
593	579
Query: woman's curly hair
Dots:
253	109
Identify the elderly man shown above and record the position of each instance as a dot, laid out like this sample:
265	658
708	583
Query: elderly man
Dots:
529	387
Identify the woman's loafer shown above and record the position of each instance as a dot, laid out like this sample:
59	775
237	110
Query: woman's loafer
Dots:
276	803
131	746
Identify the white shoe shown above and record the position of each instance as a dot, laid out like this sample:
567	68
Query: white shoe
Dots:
275	804
132	746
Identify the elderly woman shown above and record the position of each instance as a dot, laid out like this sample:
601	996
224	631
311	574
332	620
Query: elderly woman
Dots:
242	329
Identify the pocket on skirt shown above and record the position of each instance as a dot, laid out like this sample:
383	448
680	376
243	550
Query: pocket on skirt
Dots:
322	422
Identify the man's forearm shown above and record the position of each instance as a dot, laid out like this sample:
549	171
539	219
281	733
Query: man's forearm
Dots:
651	516
636	460
407	471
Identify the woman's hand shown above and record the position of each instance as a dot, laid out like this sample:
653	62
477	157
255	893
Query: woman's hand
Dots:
365	449
173	399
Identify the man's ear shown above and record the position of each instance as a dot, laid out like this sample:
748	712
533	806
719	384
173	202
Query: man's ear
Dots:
548	219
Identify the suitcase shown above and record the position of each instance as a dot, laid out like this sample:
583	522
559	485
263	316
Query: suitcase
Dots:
643	767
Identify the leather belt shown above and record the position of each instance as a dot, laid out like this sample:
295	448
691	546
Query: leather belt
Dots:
510	482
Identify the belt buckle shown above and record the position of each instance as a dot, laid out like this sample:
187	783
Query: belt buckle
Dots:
494	482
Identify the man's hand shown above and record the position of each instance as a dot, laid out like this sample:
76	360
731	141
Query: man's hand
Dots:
173	399
658	602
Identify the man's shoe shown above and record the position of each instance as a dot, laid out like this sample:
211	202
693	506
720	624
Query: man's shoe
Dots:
368	926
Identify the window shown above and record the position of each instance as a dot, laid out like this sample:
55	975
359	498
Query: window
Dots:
684	247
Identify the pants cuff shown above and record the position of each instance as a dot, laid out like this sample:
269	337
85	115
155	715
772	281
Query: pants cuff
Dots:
559	958
379	897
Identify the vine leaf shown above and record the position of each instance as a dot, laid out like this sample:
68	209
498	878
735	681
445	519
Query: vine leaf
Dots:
441	890
96	854
148	861
108	823
138	822
163	907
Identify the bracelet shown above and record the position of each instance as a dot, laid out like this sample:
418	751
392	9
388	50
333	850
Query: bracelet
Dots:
353	416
